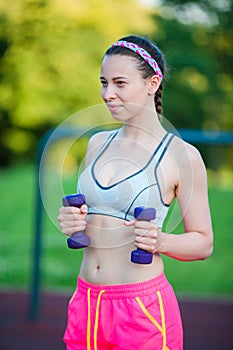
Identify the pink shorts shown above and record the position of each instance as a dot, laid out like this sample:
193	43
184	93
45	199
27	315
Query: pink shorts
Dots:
140	316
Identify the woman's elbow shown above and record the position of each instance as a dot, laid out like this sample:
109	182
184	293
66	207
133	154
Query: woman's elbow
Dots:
208	249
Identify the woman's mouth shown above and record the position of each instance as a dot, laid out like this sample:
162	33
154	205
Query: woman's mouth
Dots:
113	107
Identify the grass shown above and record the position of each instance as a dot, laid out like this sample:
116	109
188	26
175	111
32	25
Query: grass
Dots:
212	277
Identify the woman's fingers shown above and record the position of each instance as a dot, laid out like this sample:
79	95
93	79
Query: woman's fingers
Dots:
72	219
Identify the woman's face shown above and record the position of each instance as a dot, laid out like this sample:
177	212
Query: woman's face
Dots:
124	91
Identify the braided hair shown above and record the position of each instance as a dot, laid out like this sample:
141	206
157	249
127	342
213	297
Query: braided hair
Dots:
143	67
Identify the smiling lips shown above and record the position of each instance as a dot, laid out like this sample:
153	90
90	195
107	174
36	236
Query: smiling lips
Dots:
113	107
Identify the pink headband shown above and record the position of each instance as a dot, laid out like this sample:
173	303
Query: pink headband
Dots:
141	52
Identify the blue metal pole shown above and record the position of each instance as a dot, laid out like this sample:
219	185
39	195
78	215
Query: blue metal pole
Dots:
37	243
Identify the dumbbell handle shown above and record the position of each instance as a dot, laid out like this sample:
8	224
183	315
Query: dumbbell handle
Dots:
78	239
140	256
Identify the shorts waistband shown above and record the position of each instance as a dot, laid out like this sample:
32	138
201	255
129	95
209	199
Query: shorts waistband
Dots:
124	290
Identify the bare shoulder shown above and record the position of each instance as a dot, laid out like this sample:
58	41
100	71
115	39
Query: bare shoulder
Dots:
95	143
187	156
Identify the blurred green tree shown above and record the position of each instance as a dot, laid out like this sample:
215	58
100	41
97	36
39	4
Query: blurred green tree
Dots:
50	55
197	39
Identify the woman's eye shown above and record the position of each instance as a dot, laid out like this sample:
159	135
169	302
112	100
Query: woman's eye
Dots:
103	83
120	83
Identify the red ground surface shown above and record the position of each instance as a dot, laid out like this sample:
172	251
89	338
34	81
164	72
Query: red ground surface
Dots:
208	324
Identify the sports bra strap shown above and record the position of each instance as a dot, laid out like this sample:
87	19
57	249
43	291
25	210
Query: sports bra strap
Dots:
162	148
106	143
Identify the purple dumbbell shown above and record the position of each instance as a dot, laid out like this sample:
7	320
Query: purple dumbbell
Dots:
140	256
79	239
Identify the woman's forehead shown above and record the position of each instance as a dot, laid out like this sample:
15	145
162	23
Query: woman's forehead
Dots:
118	63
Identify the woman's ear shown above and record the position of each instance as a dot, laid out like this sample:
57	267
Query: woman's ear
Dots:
154	83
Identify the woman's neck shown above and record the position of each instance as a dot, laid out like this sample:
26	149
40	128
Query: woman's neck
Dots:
147	127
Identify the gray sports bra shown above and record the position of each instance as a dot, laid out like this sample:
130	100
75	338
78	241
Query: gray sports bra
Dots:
139	189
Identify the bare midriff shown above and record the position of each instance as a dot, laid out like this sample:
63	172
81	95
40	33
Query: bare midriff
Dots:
108	259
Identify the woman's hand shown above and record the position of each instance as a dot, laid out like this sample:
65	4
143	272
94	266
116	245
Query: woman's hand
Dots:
72	219
147	235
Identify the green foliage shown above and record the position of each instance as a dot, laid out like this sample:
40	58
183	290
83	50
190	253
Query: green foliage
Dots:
195	90
50	56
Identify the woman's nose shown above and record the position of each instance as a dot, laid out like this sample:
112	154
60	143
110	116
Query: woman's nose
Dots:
108	92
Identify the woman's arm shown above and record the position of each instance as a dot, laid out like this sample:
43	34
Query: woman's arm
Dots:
192	194
196	243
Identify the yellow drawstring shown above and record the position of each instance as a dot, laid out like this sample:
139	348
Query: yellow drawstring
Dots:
162	328
97	319
89	319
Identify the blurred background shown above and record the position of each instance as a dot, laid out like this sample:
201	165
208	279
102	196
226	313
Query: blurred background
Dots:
50	56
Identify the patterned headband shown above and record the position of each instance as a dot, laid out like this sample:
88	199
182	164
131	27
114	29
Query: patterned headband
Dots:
143	53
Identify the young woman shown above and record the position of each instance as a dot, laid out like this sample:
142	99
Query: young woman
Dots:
120	304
